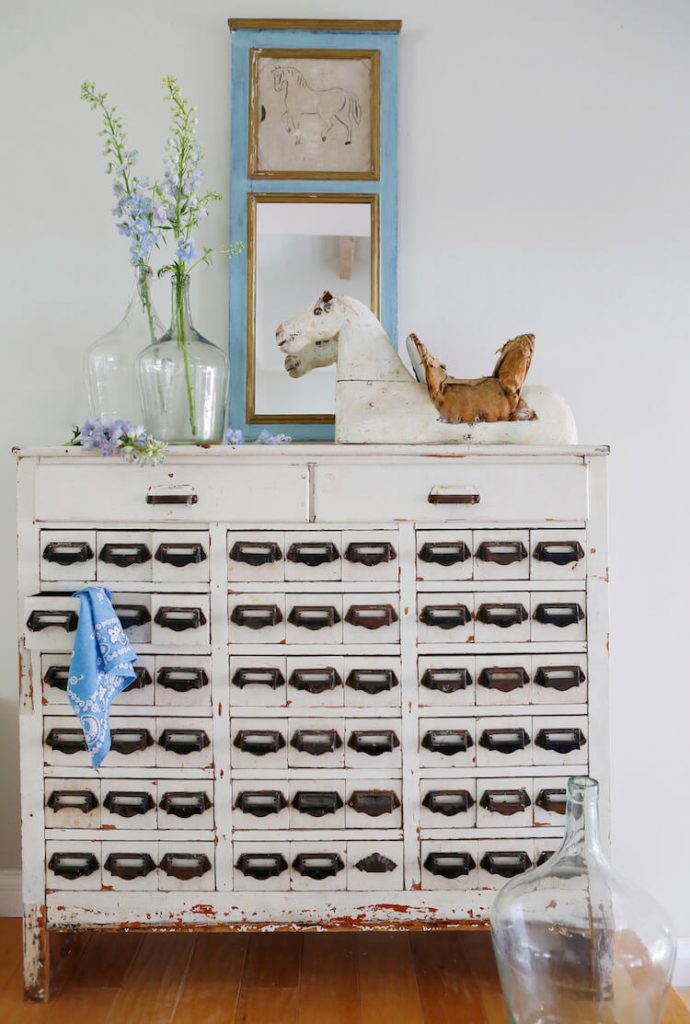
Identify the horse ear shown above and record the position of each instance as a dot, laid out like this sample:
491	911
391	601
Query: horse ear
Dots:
327	297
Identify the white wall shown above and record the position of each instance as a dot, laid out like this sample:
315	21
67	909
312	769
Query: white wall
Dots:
544	186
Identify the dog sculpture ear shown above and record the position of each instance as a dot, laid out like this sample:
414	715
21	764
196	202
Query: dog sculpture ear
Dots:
327	300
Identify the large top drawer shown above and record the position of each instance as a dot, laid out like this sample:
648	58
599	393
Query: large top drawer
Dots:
442	489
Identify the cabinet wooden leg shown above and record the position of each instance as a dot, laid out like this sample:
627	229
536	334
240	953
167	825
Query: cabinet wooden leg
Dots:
36	954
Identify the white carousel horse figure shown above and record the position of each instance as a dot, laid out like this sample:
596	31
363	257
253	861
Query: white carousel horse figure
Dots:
378	401
330	105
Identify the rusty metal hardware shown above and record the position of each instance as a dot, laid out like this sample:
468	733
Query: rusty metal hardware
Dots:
181	497
558	552
316	741
67	552
374	802
180	619
371	616
505	741
505	680
447	741
376	864
259	741
444	553
185	865
268	676
445	616
255	552
448	802
132	615
185	805
562	741
313	616
373	741
48	618
318	865
559	677
505	801
67	741
261	865
180	555
317	804
561	614
372	680
129	865
183	741
450	864
128	804
313	553
142	678
446	498
446	680
315	680
123	555
507	865
501	552
181	680
57	676
552	800
261	802
256	616
370	553
129	741
502	615
73	865
72	800
543	857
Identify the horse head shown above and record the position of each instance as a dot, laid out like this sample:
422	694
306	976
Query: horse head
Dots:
279	79
311	338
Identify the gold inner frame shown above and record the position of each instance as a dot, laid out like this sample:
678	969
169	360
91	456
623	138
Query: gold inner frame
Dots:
253	199
373	173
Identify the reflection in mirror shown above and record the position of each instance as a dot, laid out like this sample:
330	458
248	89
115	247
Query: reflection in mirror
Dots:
302	248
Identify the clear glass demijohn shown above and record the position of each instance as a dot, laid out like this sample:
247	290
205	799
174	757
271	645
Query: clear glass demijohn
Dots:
574	942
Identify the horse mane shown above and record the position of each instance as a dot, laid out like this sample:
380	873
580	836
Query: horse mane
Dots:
293	73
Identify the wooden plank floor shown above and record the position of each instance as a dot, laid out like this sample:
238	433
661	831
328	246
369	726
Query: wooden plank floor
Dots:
363	978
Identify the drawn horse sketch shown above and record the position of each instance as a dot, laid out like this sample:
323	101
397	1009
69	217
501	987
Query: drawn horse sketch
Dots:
332	106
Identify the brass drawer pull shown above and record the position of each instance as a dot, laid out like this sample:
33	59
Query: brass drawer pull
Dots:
124	555
507	865
67	552
259	741
315	680
552	800
129	865
449	865
371	616
502	615
127	804
181	680
501	552
372	680
558	552
313	616
445	616
57	676
448	802
318	865
67	741
446	680
256	616
562	741
185	866
184	805
180	555
373	741
317	804
376	864
73	865
180	619
505	680
255	552
269	676
444	553
313	553
436	497
374	802
559	677
447	741
72	800
130	741
261	865
505	801
142	678
261	802
132	615
505	741
184	741
49	619
561	614
370	553
316	741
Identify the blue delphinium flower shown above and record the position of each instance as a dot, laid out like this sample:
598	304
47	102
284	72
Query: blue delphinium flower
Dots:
186	250
234	437
130	440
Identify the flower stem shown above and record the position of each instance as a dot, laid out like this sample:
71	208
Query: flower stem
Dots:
184	347
145	295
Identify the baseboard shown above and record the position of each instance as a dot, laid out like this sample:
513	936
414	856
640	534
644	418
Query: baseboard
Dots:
10	893
681	974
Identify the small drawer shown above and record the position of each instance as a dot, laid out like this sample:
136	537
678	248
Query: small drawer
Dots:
504	741
314	618
257	682
186	866
371	618
559	679
141	690
256	618
181	556
558	554
373	803
315	682
132	743
446	680
318	866
181	620
68	555
124	556
444	555
370	555
445	618
182	680
373	743
259	743
184	743
447	742
544	849
315	743
185	803
130	866
72	803
51	622
129	803
550	796
73	864
559	615
560	740
317	803
257	557
372	682
500	860
55	677
502	617
450	864
501	554
448	803
134	613
503	679
313	555
504	803
261	804
64	742
261	867
375	866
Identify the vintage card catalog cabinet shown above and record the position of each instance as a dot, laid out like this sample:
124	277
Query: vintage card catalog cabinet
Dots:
364	677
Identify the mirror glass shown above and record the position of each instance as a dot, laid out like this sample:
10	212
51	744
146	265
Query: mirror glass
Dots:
301	248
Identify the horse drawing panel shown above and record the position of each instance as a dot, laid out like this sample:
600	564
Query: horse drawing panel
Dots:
314	116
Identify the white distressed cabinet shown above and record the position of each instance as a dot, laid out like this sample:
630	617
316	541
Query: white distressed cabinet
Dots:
364	676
